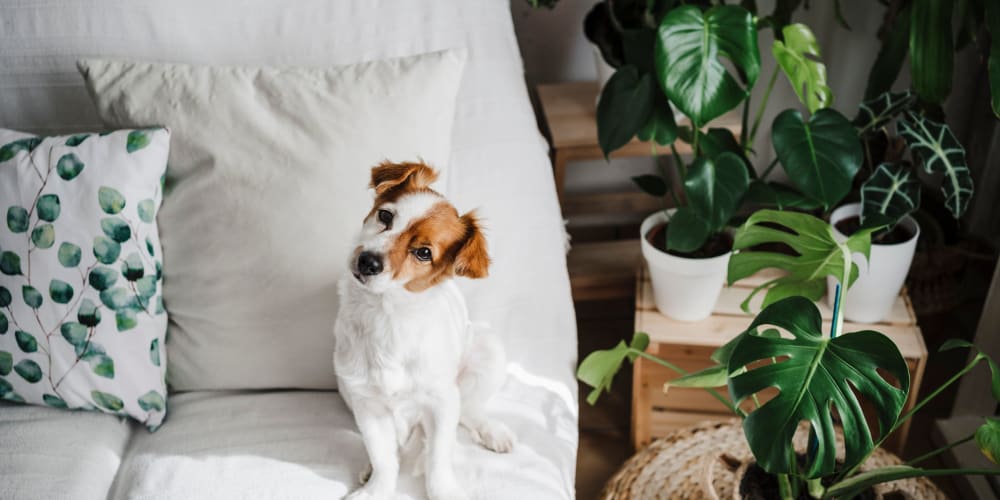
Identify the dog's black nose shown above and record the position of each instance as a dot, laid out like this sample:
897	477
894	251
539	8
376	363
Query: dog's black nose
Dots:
369	264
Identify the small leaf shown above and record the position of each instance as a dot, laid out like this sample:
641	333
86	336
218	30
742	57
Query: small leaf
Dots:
988	439
713	376
88	314
137	139
10	149
878	111
3	323
624	107
146	286
5	297
74	333
69	254
102	278
111	200
29	370
116	229
799	58
10	263
132	268
26	341
599	368
154	352
955	344
54	401
60	291
107	401
106	250
69	166
43	236
159	269
151	401
7	363
125	319
5	388
147	211
76	140
31	296
651	184
17	219
48	207
687	231
892	191
159	305
117	298
101	364
149	247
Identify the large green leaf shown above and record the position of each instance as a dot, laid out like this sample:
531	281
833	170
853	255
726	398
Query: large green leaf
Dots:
651	184
714	190
598	369
993	66
814	376
818	254
988	439
892	191
799	58
940	153
821	155
892	54
689	49
625	105
687	230
879	110
931	49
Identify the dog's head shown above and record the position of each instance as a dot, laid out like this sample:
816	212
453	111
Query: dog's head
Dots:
413	238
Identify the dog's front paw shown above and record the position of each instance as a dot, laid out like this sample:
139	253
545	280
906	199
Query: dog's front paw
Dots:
495	436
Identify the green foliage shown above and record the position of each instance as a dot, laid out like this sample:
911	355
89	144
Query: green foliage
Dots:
713	376
106	250
814	373
152	401
6	362
76	140
818	254
893	192
821	155
940	152
110	199
10	263
3	323
598	369
69	254
149	247
137	139
799	58
32	297
100	363
54	401
69	166
688	62
132	268
29	371
988	439
102	278
147	211
154	352
48	207
146	287
17	219
931	49
660	127
117	298
74	333
125	319
88	314
651	184
116	229
714	190
775	194
26	341
12	148
43	236
623	108
881	109
107	401
60	291
5	297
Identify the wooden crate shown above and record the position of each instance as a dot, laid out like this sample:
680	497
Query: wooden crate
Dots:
689	344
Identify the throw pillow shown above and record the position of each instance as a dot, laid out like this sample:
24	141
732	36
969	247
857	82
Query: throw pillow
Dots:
268	185
82	321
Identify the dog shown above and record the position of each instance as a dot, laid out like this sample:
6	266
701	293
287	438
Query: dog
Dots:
409	363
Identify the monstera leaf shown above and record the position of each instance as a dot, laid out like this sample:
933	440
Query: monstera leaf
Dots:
818	254
814	375
624	107
931	49
599	368
714	190
689	48
892	191
821	155
878	111
799	58
660	127
941	153
775	194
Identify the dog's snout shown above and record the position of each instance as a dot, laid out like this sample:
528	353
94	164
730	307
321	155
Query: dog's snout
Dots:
369	264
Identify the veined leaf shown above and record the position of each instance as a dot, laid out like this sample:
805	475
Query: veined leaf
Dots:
931	49
689	48
599	368
815	374
941	153
716	187
713	376
799	58
821	155
660	127
879	110
625	105
892	191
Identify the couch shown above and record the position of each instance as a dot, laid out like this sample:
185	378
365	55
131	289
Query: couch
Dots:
290	442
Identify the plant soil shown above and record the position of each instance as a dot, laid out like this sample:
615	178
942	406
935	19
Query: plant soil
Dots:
898	234
759	485
717	244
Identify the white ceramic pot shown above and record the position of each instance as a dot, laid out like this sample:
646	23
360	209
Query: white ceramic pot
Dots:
684	289
881	278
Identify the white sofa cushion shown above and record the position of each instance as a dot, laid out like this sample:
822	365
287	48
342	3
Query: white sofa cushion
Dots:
267	183
59	455
82	321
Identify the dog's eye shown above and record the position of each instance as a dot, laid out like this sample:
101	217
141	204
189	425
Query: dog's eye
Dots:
422	254
385	217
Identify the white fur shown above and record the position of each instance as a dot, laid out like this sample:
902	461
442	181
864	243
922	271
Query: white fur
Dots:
412	367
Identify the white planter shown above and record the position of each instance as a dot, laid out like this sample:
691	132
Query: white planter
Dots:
880	278
684	289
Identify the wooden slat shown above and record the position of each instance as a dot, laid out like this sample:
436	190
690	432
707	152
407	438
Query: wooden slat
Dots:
627	202
603	270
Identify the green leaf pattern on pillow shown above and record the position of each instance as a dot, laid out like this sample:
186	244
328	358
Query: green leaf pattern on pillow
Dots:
65	270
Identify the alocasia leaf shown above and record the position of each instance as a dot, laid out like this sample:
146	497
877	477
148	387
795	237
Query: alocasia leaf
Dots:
799	58
821	155
814	376
598	369
625	105
941	153
892	191
881	109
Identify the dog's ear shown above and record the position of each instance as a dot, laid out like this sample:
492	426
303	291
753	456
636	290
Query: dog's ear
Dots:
387	176
472	259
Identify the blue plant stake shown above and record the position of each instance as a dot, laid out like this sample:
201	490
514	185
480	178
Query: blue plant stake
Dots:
836	312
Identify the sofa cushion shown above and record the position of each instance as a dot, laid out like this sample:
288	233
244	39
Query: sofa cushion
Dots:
304	444
56	454
83	323
267	185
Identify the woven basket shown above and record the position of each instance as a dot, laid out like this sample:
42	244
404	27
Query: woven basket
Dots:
707	461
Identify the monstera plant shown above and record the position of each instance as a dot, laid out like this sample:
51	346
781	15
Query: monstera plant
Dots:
814	370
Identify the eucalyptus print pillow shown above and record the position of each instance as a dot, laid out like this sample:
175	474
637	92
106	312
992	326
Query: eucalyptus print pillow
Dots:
82	322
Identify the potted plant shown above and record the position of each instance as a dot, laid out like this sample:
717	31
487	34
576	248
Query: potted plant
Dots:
814	371
688	247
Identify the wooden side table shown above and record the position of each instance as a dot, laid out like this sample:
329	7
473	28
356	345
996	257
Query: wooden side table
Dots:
689	345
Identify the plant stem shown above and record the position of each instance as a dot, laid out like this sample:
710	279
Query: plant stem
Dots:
838	325
743	126
760	110
767	171
696	130
785	487
816	488
729	404
941	450
679	163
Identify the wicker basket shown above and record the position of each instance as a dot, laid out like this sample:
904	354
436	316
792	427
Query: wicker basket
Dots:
707	461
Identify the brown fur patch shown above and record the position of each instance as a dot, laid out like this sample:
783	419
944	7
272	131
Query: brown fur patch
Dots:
392	180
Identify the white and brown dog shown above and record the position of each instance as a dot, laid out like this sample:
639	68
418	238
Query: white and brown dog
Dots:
408	361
